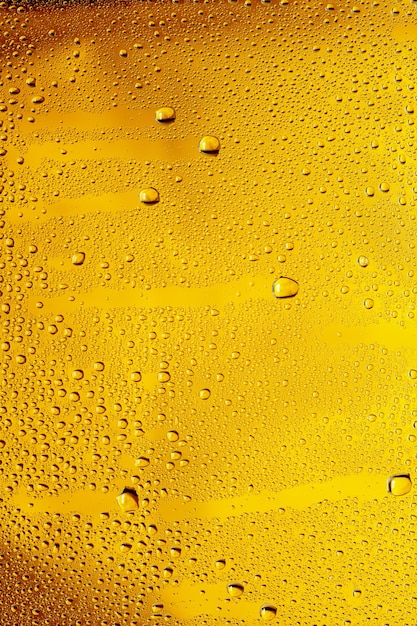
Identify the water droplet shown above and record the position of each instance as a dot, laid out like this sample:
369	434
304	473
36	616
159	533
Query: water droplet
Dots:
172	435
127	500
125	547
371	417
98	366
149	196
205	394
78	258
77	374
164	377
209	144
268	612
136	377
363	261
412	374
220	564
400	484
384	187
142	462
235	589
165	114
285	287
370	191
123	53
368	303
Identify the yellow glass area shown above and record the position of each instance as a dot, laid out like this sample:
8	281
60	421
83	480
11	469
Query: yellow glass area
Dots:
208	289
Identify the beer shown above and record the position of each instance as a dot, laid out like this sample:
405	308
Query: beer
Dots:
208	313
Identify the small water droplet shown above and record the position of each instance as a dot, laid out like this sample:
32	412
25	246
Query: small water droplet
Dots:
368	303
220	564
172	435
412	374
136	377
363	261
370	191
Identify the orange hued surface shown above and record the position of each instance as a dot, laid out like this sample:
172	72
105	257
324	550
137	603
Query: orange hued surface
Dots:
209	367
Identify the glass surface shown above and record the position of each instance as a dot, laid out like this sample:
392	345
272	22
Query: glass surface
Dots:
208	402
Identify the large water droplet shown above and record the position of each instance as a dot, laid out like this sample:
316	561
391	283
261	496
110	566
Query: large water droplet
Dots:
400	484
165	114
235	589
209	144
285	287
268	612
127	500
149	195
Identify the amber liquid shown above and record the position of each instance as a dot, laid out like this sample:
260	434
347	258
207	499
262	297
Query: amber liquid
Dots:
208	295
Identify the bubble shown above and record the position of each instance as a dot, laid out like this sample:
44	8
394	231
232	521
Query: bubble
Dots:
285	287
235	589
205	394
78	258
368	303
127	500
149	196
209	144
165	114
400	484
363	261
268	612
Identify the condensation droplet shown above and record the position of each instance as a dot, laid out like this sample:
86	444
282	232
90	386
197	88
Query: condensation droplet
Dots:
78	258
165	114
368	303
400	484
235	589
285	287
127	500
209	144
363	261
268	612
149	195
205	394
